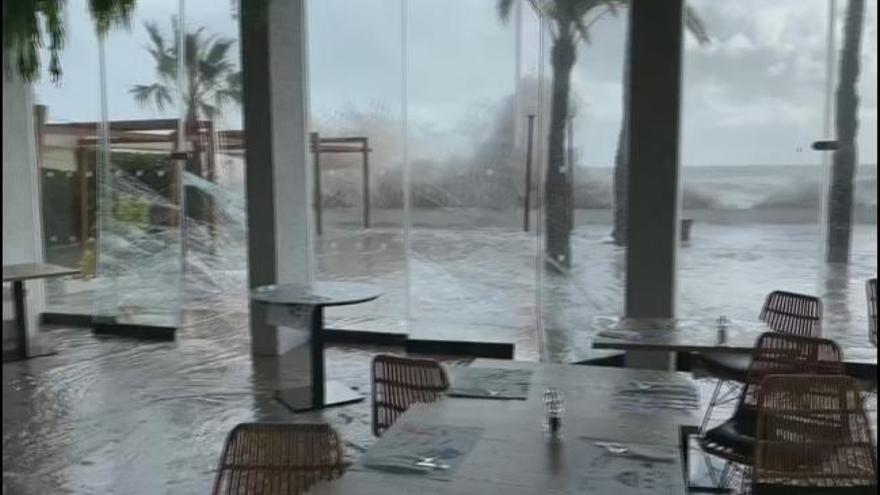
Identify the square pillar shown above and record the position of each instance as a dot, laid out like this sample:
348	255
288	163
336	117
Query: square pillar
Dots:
22	220
275	93
656	34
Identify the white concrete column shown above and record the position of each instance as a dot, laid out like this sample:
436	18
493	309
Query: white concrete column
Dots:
656	30
276	108
22	221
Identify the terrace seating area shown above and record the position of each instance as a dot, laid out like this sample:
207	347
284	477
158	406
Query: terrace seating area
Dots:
440	247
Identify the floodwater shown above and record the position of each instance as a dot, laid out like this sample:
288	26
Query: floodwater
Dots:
121	416
491	282
111	415
108	415
473	275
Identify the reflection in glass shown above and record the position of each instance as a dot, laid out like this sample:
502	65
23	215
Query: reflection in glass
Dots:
754	101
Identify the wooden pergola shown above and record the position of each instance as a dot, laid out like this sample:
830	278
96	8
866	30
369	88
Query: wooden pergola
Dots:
321	146
147	136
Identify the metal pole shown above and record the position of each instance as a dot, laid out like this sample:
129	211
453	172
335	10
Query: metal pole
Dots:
18	297
316	153
517	69
527	206
82	169
828	117
571	187
366	151
317	355
40	112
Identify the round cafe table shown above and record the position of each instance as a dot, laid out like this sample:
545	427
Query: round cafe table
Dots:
311	299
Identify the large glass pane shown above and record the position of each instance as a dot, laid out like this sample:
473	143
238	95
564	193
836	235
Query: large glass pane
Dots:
356	85
66	118
472	264
583	261
139	254
215	254
843	283
755	99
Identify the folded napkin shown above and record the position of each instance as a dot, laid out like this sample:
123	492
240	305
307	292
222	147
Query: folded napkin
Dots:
491	383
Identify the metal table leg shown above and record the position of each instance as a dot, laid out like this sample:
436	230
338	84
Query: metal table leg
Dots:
320	394
18	295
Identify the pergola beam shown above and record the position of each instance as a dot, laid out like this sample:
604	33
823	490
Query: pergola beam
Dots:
335	145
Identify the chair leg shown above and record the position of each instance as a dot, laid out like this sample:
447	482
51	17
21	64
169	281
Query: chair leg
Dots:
718	398
711	407
714	473
734	477
739	481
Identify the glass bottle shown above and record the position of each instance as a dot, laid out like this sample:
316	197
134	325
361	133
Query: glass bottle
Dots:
554	408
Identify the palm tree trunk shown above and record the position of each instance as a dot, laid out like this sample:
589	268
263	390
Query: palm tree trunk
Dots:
557	188
840	196
621	158
195	199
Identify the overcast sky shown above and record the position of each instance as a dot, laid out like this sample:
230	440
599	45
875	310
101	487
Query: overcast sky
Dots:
753	96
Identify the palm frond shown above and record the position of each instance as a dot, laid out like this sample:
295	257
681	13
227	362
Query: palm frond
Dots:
155	94
25	23
162	53
55	29
504	9
155	35
218	50
227	95
208	111
213	61
109	13
585	13
233	81
210	80
695	25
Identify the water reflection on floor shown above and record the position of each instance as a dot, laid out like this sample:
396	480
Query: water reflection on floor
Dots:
111	415
487	283
490	281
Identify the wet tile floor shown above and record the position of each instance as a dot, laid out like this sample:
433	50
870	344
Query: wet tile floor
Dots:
109	415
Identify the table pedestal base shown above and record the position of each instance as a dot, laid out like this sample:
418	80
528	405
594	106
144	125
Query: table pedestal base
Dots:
299	399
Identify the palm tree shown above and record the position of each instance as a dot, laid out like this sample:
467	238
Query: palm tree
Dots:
27	22
210	80
843	167
571	21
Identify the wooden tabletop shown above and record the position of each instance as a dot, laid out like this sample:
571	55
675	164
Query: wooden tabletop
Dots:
28	271
674	335
315	294
514	455
702	336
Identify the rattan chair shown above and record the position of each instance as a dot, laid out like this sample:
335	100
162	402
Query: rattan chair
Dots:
774	353
797	314
400	382
263	458
812	437
784	312
872	310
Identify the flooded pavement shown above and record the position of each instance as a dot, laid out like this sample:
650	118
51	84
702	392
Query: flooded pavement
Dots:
488	283
112	415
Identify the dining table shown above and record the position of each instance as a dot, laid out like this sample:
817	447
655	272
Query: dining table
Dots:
17	275
675	334
684	336
303	306
623	431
